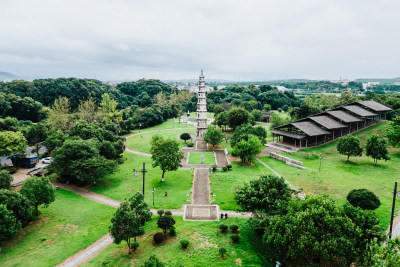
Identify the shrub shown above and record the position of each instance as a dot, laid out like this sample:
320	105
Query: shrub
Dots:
172	231
364	199
222	252
223	227
229	166
190	144
224	168
185	137
153	261
158	238
134	245
168	213
235	238
234	228
184	243
214	168
12	170
160	212
5	179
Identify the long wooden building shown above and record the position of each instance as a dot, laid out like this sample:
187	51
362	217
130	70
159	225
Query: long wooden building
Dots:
331	124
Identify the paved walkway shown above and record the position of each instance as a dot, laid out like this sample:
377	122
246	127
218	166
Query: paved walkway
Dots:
201	187
200	144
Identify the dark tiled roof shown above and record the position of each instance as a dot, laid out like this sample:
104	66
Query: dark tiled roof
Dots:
289	134
359	111
327	122
375	106
343	116
309	128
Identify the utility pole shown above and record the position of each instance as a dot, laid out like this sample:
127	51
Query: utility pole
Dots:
144	172
393	205
320	162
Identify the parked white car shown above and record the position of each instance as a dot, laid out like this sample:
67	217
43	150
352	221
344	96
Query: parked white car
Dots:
47	160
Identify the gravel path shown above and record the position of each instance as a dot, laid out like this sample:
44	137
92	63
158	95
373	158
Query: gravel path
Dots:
200	144
201	187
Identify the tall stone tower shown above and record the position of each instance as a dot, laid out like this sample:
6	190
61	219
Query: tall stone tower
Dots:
201	107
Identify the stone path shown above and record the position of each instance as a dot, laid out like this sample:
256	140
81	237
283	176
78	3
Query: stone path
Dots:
201	145
88	253
201	187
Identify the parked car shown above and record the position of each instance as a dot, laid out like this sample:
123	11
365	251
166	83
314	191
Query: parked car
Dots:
47	160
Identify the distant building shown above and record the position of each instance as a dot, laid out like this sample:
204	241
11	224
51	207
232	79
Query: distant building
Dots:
282	88
369	84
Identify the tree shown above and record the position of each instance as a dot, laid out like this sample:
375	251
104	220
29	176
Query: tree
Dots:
218	109
222	119
5	179
376	148
245	130
165	154
153	261
364	199
393	132
80	160
108	107
185	137
140	208
383	255
125	224
278	120
237	117
37	134
59	115
349	146
18	204
9	226
269	195
247	150
256	113
213	136
54	139
314	231
11	143
39	191
88	111
165	222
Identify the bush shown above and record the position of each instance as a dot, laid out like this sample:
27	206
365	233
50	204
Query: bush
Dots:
234	228
223	227
224	168
5	179
158	238
235	238
160	212
153	261
214	168
190	144
364	199
168	213
184	243
185	137
229	166
172	231
222	252
134	245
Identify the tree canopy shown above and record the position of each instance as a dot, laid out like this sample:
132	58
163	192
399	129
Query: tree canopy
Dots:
39	191
350	146
247	150
376	148
213	136
11	143
364	199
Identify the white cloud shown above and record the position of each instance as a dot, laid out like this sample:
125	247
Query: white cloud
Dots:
251	39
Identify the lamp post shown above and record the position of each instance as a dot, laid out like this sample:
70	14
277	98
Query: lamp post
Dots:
154	189
137	174
395	192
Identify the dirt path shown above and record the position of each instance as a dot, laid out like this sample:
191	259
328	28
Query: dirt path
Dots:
201	187
200	144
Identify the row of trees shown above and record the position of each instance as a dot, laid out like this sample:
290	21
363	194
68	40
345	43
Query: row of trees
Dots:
315	231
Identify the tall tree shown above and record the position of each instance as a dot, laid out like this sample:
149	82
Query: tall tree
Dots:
140	208
39	191
247	150
108	107
393	132
165	154
376	148
237	117
18	204
245	130
11	143
213	136
59	114
349	146
9	226
165	222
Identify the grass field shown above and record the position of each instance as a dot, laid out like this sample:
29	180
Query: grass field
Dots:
205	240
67	226
223	184
195	158
338	177
123	183
142	142
168	124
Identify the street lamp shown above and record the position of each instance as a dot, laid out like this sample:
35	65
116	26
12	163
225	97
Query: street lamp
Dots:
395	192
137	174
154	189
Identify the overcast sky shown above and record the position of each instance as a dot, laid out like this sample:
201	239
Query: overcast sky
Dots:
166	39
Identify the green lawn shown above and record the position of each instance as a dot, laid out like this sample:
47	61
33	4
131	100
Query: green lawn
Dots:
168	124
67	226
123	183
223	184
142	142
195	158
338	177
205	240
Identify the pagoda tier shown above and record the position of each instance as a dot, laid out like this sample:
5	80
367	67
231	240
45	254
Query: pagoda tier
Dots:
201	107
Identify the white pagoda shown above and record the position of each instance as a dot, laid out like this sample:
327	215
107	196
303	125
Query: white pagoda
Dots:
201	107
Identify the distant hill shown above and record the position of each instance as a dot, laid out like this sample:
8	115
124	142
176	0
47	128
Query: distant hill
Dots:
384	81
7	76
